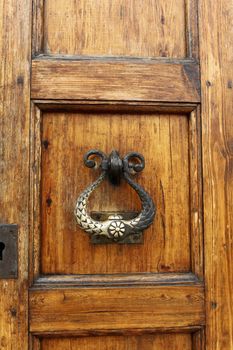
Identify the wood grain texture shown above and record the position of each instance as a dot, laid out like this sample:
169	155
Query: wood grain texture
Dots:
198	340
58	309
35	343
164	141
15	38
192	38
125	80
143	342
108	280
34	200
88	309
216	43
115	106
152	28
196	194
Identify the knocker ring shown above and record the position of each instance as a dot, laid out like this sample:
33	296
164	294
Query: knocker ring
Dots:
115	228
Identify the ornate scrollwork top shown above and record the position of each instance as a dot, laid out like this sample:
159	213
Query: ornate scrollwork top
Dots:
115	228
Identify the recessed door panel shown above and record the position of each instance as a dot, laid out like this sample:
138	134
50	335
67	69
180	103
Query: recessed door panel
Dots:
115	28
144	342
164	141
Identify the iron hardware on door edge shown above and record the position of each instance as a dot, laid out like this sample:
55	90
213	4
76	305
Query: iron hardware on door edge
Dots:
8	251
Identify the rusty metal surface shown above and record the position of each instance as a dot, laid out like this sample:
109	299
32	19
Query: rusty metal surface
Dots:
9	251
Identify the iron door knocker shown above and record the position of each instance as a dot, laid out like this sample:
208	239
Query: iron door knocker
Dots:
116	228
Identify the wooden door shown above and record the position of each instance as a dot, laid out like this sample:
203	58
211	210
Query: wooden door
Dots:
118	75
124	75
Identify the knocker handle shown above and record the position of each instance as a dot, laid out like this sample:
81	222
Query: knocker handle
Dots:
116	228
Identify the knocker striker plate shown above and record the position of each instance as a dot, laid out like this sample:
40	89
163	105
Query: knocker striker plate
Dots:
102	216
116	228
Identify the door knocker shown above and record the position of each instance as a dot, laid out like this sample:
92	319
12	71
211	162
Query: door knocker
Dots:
116	228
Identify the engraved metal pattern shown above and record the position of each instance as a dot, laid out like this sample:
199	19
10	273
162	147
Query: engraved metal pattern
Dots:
115	228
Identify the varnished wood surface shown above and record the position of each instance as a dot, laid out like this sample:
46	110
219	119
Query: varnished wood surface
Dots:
216	36
196	193
164	142
15	31
105	81
115	106
153	28
74	309
106	280
144	342
115	80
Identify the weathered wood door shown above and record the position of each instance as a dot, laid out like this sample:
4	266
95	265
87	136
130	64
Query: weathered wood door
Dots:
124	75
